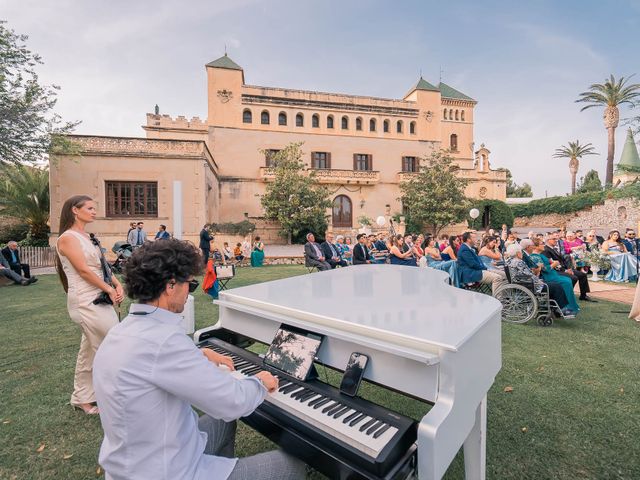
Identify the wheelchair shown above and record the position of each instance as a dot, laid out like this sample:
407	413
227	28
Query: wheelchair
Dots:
520	301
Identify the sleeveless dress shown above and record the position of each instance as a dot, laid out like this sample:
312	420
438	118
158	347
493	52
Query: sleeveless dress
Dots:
94	320
623	265
449	266
257	256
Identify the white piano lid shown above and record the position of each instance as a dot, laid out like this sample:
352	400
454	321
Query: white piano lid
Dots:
407	306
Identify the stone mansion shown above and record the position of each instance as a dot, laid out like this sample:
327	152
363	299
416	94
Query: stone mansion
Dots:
361	147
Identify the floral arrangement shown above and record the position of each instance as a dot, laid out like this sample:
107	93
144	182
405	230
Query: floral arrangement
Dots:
598	259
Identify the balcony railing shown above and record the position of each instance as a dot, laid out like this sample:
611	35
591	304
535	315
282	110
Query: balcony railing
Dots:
331	175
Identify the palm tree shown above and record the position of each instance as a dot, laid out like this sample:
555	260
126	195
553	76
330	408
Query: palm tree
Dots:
610	94
574	151
24	195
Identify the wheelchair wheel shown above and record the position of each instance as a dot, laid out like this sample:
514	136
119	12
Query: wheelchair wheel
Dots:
545	320
519	304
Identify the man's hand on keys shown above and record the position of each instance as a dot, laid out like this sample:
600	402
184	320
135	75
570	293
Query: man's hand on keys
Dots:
218	359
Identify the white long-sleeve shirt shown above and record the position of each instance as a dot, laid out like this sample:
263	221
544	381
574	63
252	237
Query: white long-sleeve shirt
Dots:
147	373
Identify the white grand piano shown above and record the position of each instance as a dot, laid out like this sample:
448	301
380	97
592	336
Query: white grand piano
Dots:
424	338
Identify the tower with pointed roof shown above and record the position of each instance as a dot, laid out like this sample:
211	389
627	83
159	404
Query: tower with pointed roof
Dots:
628	168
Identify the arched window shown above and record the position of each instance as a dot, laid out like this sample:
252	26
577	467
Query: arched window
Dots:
457	116
264	118
282	118
372	125
445	114
299	120
246	116
399	126
330	121
358	123
412	128
462	115
345	123
453	142
385	126
341	213
450	114
315	121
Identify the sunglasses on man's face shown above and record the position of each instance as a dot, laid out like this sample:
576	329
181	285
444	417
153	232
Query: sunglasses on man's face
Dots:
193	284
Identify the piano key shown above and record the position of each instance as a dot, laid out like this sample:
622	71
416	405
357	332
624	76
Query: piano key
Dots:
367	424
381	430
357	420
312	398
341	412
316	400
351	416
333	410
307	396
290	388
374	427
329	407
294	390
300	393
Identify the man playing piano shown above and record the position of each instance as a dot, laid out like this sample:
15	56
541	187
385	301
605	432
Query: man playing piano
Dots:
147	374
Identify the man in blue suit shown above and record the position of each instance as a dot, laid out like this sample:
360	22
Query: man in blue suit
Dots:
471	268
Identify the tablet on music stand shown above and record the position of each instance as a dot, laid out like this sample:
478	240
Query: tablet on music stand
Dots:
292	351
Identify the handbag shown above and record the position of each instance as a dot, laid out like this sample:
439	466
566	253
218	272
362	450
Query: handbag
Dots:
103	297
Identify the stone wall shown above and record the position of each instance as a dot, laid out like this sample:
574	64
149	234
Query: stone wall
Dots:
613	215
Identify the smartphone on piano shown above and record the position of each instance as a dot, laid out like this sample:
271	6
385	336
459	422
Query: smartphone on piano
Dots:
353	374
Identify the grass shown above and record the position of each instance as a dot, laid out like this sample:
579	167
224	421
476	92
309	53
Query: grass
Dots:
573	412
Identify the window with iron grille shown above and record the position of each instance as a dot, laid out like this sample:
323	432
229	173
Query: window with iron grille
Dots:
409	164
131	199
320	160
361	161
269	158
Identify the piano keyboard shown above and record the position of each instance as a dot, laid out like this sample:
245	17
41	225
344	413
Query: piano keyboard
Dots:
365	430
353	426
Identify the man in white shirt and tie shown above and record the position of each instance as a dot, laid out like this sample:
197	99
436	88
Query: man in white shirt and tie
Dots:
147	374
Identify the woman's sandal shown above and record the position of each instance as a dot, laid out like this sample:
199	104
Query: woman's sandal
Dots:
90	411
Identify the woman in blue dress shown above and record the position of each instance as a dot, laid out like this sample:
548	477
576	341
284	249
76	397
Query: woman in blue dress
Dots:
257	255
549	274
450	252
397	256
489	253
434	260
623	264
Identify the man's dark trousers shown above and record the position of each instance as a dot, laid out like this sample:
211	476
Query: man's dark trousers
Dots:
581	278
21	269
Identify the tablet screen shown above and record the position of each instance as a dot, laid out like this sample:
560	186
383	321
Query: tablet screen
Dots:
293	352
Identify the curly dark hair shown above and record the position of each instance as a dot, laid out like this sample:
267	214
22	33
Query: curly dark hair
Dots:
155	264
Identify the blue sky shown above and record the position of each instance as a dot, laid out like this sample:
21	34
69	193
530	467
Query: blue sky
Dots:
525	62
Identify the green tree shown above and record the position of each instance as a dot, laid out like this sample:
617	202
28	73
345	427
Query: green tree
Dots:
514	190
610	95
24	196
295	198
574	152
590	183
434	197
29	128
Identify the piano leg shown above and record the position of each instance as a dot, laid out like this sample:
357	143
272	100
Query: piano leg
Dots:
475	446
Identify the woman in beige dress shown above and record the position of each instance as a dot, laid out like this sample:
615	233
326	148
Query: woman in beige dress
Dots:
78	265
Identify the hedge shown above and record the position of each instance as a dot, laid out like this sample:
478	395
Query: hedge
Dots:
243	228
574	203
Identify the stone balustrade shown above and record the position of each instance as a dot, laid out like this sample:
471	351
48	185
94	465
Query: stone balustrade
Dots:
333	176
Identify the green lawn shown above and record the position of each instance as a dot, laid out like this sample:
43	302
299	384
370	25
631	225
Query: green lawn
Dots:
574	411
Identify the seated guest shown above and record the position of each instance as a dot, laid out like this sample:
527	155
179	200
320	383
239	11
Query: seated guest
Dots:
343	249
434	260
444	242
408	242
630	241
12	255
576	248
5	271
489	253
591	242
380	244
313	256
237	252
472	269
162	233
418	252
217	256
398	255
450	251
555	289
623	264
361	255
330	252
550	274
564	266
147	375
226	251
518	269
